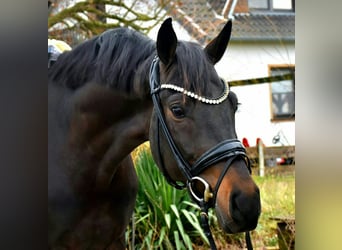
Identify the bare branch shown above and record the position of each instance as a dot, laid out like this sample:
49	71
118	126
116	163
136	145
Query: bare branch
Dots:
85	17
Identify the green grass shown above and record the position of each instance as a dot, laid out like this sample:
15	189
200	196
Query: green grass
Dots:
277	200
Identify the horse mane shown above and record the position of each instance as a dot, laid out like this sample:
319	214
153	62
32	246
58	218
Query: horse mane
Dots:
111	59
118	58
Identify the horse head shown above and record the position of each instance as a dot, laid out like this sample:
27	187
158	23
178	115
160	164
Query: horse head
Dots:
192	130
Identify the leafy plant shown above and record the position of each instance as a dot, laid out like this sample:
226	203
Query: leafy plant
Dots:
164	216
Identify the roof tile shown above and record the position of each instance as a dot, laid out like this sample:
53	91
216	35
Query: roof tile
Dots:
203	22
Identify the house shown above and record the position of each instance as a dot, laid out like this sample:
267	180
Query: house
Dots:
262	45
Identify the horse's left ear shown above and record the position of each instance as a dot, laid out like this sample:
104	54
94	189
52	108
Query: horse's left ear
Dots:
166	42
216	48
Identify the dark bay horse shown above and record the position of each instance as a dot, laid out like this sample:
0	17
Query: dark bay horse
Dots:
112	93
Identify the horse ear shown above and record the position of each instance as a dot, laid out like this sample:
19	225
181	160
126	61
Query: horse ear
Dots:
216	48
166	42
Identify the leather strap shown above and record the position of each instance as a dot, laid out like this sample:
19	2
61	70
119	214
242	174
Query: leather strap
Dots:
225	149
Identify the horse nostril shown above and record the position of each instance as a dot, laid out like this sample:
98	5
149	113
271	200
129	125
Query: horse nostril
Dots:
245	208
235	204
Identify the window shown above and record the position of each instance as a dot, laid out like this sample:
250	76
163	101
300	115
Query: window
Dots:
271	5
282	4
283	94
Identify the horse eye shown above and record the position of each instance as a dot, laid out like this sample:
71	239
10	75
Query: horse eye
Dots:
178	112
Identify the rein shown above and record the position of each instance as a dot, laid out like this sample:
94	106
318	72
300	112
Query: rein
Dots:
227	149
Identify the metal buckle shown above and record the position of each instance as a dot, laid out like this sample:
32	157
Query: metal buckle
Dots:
207	194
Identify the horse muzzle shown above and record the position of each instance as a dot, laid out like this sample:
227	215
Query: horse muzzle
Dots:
237	203
227	187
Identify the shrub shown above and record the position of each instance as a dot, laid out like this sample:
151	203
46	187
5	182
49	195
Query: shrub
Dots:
164	217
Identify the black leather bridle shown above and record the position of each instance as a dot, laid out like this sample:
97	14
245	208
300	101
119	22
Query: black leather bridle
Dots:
230	150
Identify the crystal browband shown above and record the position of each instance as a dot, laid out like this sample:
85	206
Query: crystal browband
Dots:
198	97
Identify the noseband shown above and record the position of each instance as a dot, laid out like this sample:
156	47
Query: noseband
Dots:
229	150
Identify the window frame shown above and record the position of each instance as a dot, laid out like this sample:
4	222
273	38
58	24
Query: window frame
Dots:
271	9
288	117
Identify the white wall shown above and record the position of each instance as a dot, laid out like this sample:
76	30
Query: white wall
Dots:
253	119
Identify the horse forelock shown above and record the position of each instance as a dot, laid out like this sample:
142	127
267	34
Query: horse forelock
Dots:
195	69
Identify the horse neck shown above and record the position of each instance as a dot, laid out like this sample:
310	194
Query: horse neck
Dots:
138	105
128	114
138	124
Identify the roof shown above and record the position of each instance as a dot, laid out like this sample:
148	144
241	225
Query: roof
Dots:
204	20
264	27
198	18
